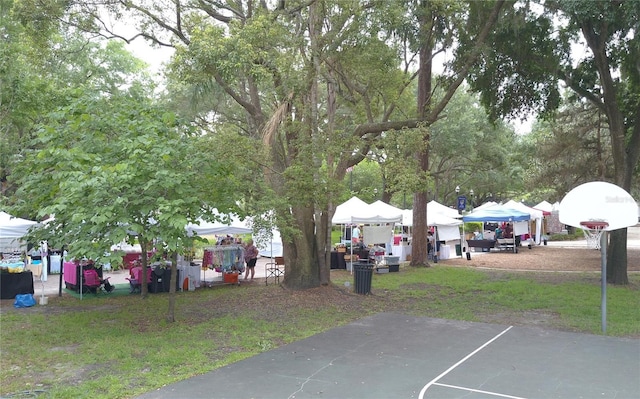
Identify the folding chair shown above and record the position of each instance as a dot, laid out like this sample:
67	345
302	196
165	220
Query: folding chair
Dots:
275	270
93	283
135	283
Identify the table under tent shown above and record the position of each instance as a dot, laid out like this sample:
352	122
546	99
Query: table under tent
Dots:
16	271
496	213
378	221
535	223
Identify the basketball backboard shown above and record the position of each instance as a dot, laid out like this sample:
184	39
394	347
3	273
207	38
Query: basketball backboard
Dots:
599	202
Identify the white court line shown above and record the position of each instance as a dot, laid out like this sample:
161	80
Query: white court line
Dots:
432	382
478	390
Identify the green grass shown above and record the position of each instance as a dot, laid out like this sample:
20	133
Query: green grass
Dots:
336	235
121	346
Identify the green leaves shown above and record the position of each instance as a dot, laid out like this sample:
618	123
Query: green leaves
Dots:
122	167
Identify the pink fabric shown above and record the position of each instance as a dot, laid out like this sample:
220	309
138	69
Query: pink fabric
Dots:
137	271
69	271
91	278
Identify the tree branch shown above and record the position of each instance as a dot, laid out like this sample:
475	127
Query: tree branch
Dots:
175	30
473	57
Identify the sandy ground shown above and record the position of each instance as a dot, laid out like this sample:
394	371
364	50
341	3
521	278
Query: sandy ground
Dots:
556	256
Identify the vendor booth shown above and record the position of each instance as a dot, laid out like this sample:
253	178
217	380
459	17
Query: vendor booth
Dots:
446	228
535	223
15	275
497	214
12	229
377	220
226	261
547	210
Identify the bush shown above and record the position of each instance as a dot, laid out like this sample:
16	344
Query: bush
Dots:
472	227
577	235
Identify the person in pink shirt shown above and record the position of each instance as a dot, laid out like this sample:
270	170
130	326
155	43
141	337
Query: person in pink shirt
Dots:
251	257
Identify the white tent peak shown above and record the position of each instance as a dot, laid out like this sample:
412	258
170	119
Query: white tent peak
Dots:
345	210
436	207
357	211
544	206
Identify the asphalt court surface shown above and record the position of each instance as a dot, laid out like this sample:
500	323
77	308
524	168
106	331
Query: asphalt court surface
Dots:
392	355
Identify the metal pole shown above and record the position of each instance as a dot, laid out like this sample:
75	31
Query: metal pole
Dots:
351	248
603	262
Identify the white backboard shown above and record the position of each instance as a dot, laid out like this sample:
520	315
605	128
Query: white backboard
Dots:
599	201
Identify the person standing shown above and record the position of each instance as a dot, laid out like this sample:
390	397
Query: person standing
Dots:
251	257
508	231
431	240
355	234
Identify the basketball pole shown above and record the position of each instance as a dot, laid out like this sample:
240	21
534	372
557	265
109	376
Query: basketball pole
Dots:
603	263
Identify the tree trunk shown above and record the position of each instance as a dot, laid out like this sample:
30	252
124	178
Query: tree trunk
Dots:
622	148
617	257
419	238
144	247
323	244
301	257
171	311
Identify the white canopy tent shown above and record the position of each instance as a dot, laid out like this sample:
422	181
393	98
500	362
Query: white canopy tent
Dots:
437	208
376	213
544	206
234	226
347	209
355	211
12	229
269	244
535	214
486	205
447	227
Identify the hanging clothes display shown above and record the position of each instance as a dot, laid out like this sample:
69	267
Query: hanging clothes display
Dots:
224	258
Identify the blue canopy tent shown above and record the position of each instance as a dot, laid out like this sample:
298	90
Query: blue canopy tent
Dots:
496	214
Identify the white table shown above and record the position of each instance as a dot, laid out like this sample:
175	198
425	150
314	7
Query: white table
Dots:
402	251
445	252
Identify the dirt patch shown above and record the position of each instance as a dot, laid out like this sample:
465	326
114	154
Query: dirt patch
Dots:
543	258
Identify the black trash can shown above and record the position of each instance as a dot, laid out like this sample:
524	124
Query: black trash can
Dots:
362	276
161	280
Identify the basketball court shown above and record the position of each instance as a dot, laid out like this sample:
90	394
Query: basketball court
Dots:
391	355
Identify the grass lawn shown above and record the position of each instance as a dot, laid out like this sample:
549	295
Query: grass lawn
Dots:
121	346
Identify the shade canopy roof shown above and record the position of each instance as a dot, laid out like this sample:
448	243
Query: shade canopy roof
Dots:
348	208
545	207
436	207
14	227
232	225
433	219
534	213
496	213
357	211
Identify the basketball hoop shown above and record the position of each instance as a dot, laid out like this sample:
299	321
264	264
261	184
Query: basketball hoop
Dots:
592	230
